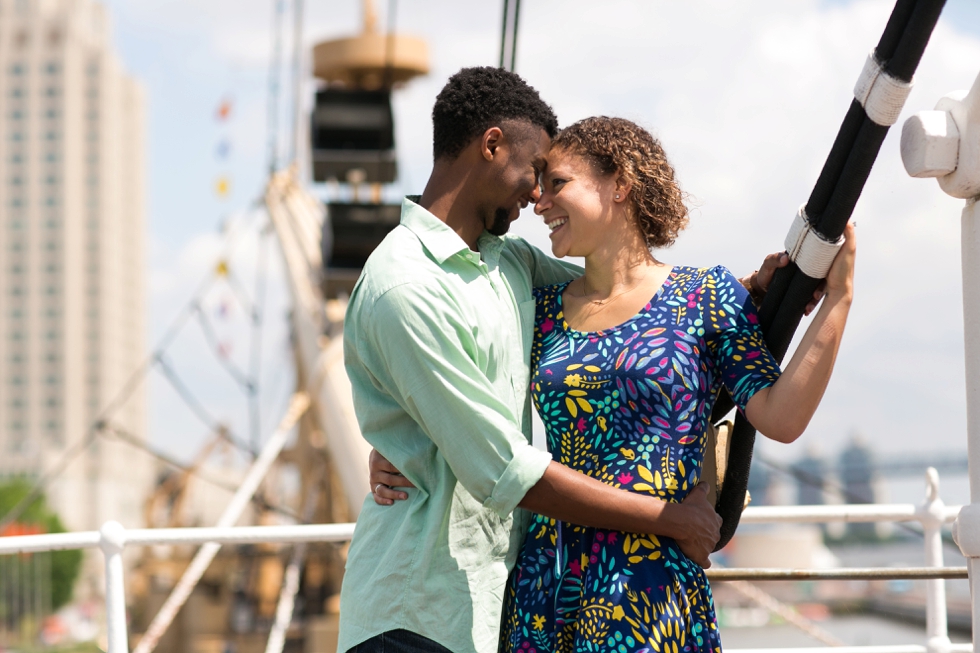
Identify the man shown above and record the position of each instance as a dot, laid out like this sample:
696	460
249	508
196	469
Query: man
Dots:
437	343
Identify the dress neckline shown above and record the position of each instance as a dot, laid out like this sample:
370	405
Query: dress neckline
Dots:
619	327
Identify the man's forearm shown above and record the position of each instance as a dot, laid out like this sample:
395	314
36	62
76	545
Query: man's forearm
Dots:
571	496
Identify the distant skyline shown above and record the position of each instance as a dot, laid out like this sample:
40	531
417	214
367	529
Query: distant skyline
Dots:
746	99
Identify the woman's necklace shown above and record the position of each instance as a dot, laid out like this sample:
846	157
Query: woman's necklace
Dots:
603	302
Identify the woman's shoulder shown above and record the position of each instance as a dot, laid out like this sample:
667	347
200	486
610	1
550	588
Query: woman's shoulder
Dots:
687	277
548	294
717	284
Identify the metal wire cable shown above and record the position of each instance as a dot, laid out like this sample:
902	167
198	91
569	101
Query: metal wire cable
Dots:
134	441
211	336
121	397
275	73
196	407
255	351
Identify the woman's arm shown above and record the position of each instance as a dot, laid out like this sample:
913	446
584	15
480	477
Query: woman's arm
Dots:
783	411
571	496
568	495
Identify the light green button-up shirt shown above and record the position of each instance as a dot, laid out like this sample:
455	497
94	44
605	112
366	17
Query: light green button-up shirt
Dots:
437	343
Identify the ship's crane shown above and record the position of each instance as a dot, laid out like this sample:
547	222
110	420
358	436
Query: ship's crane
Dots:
325	245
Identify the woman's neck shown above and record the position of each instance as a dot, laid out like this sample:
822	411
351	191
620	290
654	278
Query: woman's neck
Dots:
616	269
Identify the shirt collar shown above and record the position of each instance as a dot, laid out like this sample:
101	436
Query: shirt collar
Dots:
441	241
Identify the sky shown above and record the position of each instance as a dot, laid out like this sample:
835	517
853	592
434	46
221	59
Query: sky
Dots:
746	99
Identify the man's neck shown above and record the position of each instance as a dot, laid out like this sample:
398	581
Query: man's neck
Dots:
446	197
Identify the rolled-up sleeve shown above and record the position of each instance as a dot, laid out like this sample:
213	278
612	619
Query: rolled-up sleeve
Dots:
417	346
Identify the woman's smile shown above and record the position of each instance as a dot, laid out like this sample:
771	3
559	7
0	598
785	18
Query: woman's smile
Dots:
554	224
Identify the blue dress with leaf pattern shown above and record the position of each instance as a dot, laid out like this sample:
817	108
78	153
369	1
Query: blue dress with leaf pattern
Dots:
630	406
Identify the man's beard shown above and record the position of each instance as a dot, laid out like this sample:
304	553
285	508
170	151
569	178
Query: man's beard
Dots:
501	222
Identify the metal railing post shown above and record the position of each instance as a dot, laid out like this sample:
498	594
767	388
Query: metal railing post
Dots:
932	517
966	531
945	144
112	540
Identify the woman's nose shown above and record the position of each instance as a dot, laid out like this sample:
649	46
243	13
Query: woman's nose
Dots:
542	202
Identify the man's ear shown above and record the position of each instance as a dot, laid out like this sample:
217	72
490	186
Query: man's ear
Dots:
492	138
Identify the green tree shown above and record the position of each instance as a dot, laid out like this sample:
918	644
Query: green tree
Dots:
65	565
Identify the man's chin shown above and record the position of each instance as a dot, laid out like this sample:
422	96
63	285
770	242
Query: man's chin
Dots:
501	222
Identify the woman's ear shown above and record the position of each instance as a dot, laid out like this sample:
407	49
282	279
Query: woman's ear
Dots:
622	189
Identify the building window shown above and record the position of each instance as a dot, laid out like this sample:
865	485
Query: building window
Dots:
52	68
17	69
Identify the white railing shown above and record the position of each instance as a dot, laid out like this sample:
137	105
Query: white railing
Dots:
112	538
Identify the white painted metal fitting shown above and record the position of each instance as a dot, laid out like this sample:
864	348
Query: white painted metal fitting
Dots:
945	143
966	531
112	537
930	144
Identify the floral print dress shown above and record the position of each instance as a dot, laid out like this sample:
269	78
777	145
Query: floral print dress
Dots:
630	407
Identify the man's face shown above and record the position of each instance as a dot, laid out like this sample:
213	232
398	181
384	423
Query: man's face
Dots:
519	162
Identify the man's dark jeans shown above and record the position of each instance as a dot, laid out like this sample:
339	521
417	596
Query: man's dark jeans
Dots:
399	641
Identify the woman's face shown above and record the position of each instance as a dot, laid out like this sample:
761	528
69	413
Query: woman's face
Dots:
579	205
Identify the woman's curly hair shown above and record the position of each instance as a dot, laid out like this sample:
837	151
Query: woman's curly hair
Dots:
619	146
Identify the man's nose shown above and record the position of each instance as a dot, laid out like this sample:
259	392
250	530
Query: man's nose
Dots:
535	194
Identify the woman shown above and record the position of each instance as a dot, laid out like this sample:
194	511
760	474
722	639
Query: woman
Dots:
626	365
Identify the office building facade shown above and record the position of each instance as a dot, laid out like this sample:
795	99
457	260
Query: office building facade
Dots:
71	271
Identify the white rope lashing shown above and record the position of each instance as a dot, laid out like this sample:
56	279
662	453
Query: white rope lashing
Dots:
811	252
881	95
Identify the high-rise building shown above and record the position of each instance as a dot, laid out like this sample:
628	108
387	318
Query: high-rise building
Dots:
71	256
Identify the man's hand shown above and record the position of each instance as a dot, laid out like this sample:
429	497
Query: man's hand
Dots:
703	525
758	282
384	477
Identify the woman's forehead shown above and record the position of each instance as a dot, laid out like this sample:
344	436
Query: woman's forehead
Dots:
563	158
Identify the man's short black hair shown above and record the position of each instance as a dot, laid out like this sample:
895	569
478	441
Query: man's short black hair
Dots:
476	99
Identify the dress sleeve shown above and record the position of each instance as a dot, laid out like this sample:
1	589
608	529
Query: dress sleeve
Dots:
734	338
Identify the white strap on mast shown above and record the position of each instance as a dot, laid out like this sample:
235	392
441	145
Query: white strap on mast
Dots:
806	247
881	95
297	406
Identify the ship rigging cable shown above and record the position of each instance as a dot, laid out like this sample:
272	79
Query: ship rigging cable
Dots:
880	92
509	29
154	360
